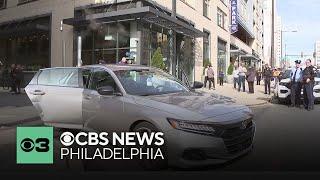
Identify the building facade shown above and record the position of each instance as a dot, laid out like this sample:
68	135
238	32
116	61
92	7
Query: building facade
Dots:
267	28
51	33
278	43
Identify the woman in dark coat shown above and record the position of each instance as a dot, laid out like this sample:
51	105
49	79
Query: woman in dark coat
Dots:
251	74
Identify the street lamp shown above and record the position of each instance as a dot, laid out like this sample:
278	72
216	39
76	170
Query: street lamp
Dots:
285	31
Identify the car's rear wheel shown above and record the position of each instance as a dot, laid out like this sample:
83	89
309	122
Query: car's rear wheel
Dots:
148	164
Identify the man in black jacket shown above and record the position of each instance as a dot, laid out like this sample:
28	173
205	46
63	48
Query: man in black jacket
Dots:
267	75
308	76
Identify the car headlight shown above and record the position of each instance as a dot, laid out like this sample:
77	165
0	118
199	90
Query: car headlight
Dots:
192	127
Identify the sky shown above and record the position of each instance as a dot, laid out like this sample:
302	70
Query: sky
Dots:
303	16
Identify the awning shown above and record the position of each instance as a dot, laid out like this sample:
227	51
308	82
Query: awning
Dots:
251	57
147	14
238	52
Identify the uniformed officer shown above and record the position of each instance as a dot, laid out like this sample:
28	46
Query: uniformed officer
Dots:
296	84
308	76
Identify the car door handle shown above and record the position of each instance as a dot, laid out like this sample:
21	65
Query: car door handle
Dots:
87	97
38	93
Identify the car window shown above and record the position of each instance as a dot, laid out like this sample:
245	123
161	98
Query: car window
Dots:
101	78
86	75
67	77
145	82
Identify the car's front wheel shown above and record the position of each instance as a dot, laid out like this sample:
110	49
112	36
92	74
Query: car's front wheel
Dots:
151	164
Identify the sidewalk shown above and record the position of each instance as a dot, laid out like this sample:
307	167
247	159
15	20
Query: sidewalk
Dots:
256	99
16	109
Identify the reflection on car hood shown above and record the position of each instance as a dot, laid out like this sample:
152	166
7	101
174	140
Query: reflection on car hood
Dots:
286	80
197	105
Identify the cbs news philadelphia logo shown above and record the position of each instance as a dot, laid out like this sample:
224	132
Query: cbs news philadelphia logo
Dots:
34	145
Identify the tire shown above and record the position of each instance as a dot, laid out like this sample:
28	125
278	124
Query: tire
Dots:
157	164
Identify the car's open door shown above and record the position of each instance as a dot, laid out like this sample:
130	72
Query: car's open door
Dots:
57	95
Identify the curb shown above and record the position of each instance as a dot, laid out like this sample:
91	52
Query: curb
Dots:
14	123
259	104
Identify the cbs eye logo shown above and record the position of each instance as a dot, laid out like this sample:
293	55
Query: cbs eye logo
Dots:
40	145
67	138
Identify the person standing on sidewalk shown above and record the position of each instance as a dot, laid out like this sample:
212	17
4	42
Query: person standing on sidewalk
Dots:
206	76
267	75
211	77
13	76
308	76
251	74
258	77
242	77
19	78
235	77
296	85
221	77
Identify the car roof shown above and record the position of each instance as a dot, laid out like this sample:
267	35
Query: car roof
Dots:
120	67
112	67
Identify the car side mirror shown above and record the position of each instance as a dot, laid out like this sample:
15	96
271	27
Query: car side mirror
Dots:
197	85
106	91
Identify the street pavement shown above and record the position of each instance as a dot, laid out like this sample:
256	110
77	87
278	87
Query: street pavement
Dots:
286	140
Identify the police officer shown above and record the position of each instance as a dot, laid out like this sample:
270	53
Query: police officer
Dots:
296	84
308	76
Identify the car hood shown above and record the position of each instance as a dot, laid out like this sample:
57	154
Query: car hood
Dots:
197	106
287	80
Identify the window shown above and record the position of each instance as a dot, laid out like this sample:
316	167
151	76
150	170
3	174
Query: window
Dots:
206	8
102	78
221	19
3	4
206	47
86	75
145	82
65	77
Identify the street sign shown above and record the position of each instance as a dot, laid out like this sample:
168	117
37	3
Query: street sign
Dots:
234	16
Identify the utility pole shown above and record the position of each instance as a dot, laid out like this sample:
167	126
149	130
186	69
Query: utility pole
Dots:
172	42
272	36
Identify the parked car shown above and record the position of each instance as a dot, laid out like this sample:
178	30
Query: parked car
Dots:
199	128
282	89
316	89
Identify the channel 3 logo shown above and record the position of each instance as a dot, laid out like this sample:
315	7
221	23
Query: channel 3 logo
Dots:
35	145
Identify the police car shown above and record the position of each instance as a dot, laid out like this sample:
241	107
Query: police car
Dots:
282	90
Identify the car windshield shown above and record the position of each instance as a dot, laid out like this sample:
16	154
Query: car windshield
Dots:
286	74
318	74
146	82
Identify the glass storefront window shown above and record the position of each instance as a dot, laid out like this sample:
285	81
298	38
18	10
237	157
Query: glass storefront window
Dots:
222	56
27	45
206	48
108	42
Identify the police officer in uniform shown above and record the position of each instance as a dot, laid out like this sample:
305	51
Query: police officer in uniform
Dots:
308	76
296	84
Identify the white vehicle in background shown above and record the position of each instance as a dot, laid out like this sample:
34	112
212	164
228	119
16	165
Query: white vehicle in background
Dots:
316	89
282	90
